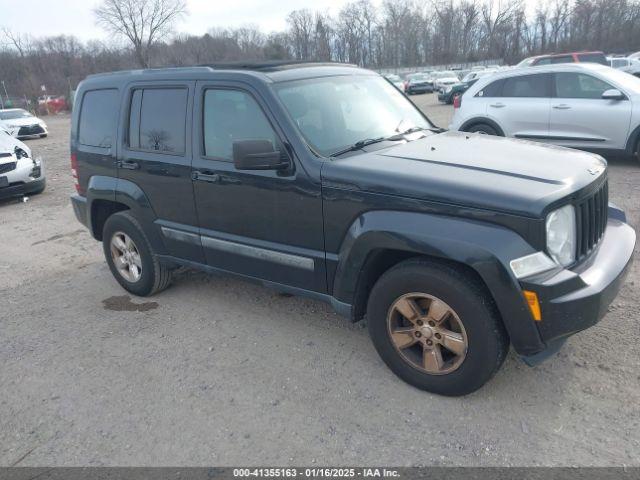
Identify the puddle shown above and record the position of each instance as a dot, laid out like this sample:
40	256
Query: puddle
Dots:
123	303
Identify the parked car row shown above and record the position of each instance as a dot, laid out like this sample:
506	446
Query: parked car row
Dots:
430	81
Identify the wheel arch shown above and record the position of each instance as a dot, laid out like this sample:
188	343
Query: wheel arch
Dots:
378	240
108	195
633	141
478	120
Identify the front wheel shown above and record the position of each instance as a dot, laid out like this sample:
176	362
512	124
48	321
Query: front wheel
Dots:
130	258
436	327
483	129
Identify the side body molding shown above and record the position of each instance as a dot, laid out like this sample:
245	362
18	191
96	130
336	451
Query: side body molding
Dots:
486	248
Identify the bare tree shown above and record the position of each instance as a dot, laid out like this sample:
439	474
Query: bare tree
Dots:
142	22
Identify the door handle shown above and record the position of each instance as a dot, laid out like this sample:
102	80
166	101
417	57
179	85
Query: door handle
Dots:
129	165
562	106
205	177
497	105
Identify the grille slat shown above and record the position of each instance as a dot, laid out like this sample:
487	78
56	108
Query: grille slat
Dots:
7	167
591	221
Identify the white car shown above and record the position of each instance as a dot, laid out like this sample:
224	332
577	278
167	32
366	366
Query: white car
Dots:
21	124
20	172
444	79
580	105
629	65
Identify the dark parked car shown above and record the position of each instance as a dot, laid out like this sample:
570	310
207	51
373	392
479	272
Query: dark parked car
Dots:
325	181
450	93
418	83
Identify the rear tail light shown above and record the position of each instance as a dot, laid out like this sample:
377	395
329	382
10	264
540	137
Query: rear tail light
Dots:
74	174
457	101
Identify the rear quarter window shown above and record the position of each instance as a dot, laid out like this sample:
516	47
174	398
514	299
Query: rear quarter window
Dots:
98	118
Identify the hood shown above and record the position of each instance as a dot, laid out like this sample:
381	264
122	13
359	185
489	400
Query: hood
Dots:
8	144
472	170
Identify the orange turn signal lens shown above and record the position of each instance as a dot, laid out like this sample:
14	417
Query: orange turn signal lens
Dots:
534	305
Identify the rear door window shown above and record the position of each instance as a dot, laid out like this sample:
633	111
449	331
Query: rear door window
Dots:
157	120
98	118
527	86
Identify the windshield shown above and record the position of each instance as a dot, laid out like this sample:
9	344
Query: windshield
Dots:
13	114
333	113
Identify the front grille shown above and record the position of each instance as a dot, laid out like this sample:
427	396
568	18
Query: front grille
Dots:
591	220
7	167
30	130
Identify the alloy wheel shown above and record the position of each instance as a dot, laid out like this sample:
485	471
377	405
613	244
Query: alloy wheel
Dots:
126	257
427	333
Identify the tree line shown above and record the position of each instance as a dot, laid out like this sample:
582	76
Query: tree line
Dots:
398	33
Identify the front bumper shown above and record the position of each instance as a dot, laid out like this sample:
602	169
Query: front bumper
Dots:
22	180
79	204
576	299
20	189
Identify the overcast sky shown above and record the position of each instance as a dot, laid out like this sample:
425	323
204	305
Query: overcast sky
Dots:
75	17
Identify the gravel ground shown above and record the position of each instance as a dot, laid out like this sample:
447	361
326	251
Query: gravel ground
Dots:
217	371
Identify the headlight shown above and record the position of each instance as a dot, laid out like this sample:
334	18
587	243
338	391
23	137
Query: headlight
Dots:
561	235
20	153
448	89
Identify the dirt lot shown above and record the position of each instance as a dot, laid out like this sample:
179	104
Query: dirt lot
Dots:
217	371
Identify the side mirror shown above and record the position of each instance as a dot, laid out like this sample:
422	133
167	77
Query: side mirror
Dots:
258	155
613	94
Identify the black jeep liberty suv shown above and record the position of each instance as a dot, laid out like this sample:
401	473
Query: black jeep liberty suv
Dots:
324	180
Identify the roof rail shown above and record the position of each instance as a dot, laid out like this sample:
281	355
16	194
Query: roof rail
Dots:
265	65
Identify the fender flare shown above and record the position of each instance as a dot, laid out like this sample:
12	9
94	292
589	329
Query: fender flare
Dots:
632	141
125	192
484	247
488	121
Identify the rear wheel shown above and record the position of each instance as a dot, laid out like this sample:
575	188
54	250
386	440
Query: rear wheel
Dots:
130	257
636	152
436	327
483	129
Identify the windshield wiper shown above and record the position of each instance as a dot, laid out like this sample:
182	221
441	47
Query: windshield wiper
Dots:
358	145
399	136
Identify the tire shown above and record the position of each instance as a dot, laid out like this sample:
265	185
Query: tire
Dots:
486	341
483	129
153	276
44	135
636	152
